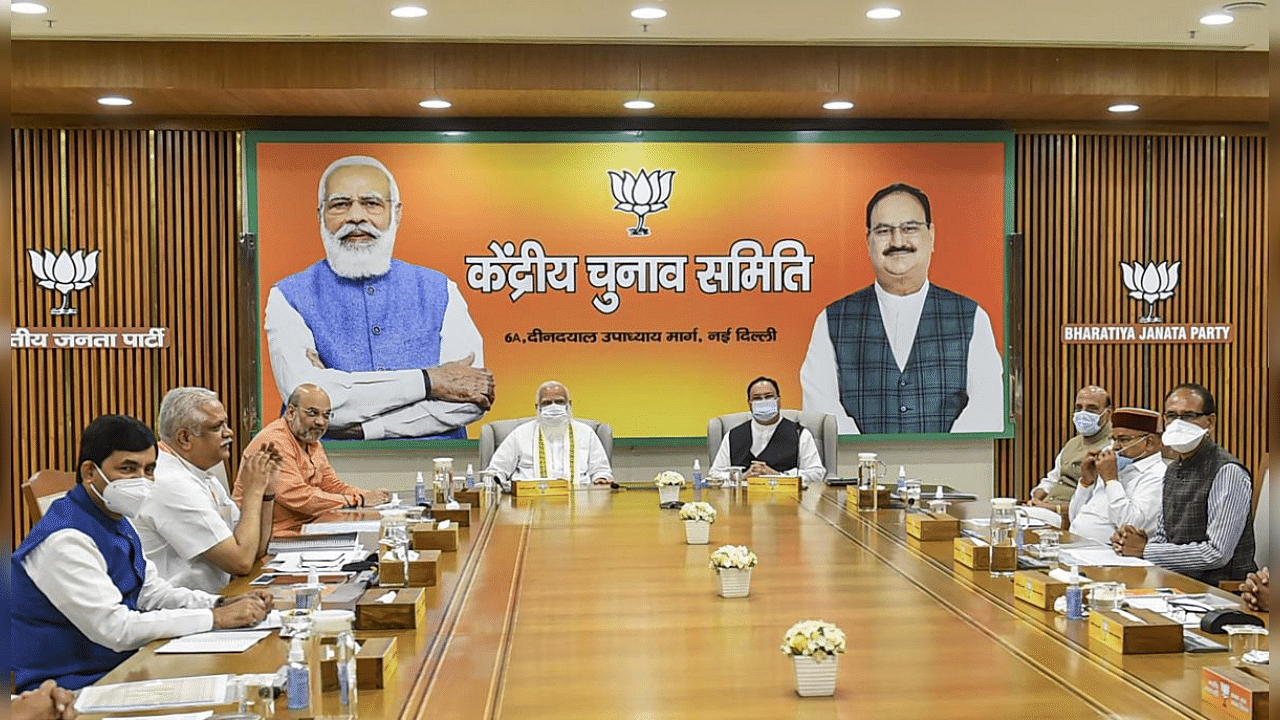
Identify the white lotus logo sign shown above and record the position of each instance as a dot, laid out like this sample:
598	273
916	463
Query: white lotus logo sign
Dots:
64	273
641	195
1150	283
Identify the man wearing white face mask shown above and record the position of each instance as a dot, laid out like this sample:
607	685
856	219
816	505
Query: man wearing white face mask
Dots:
1092	421
768	444
1205	530
1121	484
552	445
85	598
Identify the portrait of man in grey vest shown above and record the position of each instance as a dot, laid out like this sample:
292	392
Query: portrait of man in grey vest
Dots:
904	355
391	343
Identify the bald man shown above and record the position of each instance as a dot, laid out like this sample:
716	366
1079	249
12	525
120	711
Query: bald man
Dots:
552	445
306	485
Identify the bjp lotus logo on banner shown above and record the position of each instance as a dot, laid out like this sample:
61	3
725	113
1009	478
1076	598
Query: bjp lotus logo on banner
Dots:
64	273
641	195
1150	283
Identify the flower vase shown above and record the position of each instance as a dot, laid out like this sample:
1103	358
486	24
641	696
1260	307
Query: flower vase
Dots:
734	582
668	493
816	678
697	532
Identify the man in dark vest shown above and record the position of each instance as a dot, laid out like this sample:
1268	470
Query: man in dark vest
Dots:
392	343
904	355
85	598
768	444
1092	421
1205	530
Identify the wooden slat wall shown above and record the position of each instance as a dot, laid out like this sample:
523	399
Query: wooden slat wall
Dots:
1088	202
162	207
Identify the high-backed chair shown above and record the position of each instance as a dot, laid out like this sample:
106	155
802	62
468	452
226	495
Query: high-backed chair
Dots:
41	489
821	425
1262	522
492	434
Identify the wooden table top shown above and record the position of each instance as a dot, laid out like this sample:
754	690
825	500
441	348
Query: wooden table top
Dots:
594	607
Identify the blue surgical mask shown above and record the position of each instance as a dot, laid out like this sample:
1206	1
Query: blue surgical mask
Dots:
764	410
1122	462
1087	423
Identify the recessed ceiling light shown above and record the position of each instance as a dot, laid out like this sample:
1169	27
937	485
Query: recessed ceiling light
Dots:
409	11
638	105
1123	108
28	8
648	13
838	105
114	101
1218	18
435	104
884	13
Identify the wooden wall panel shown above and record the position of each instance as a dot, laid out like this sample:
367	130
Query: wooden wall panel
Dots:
161	208
1087	203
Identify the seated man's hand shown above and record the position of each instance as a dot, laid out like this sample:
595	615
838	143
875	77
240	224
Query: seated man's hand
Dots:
264	596
1040	502
1106	466
602	480
457	381
1256	590
1089	469
759	468
47	702
1132	541
375	497
240	611
259	471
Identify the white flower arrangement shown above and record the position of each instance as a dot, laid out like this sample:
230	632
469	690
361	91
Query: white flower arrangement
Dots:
733	556
816	638
698	511
668	477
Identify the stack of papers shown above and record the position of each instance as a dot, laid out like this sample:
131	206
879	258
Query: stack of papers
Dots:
154	694
233	641
335	528
320	560
343	541
1099	556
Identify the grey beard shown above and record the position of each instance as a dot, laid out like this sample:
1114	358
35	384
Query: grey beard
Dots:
355	262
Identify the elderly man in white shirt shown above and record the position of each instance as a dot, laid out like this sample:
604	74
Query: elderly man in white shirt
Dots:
1121	484
84	597
392	343
768	444
189	526
552	445
904	355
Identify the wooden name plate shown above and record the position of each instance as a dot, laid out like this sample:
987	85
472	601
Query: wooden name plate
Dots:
423	572
1037	588
978	554
375	666
1237	693
1150	632
773	483
428	536
460	516
405	611
932	526
543	487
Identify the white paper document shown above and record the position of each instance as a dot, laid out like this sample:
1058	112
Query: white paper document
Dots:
271	622
351	526
1099	555
313	542
197	715
153	694
214	642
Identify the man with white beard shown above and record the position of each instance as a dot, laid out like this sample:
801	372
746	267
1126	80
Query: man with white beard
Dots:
391	343
553	445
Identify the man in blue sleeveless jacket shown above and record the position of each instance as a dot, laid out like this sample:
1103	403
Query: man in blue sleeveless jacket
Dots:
904	355
391	343
85	598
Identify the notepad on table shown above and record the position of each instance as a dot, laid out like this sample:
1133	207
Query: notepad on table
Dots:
214	642
154	694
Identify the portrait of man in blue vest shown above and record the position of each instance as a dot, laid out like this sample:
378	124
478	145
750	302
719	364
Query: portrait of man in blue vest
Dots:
391	343
904	355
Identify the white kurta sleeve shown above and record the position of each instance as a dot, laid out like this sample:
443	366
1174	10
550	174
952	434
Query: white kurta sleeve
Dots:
985	385
68	568
820	378
1053	477
506	458
1138	504
720	466
809	463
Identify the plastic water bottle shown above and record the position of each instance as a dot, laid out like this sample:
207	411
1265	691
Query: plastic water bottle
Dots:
902	483
1075	596
471	476
298	677
697	475
420	491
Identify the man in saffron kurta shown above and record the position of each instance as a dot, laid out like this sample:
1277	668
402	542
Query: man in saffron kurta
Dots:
391	342
306	485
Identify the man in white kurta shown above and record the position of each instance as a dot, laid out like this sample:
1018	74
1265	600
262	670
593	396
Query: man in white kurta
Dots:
1123	483
552	445
795	452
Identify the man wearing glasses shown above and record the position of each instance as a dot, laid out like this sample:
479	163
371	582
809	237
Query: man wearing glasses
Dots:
904	355
1120	484
306	484
392	343
1205	530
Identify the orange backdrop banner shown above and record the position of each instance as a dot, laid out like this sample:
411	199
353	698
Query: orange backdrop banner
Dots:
653	275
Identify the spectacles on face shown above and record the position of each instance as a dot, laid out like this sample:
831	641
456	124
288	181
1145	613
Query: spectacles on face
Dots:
1188	416
910	230
371	204
1120	444
313	413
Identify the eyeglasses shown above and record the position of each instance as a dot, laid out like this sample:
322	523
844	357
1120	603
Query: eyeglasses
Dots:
372	204
910	229
314	413
1171	416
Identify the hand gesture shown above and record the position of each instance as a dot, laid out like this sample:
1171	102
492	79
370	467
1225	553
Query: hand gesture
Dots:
1089	469
759	468
1129	540
240	611
258	472
1256	590
457	381
375	497
1107	466
47	702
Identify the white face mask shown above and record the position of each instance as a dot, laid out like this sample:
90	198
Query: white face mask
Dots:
554	415
1181	436
124	496
764	410
1087	423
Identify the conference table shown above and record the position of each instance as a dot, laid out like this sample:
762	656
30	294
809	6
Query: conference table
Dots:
592	606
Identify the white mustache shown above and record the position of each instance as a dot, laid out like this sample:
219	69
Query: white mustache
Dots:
364	227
